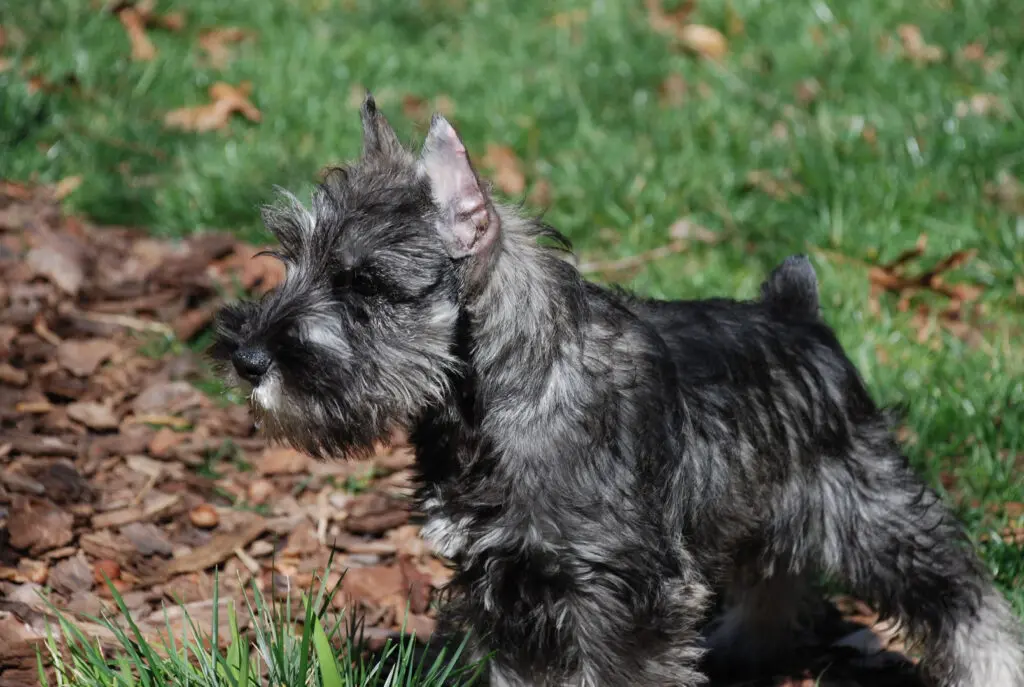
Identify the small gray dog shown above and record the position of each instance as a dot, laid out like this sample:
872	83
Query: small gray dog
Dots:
601	468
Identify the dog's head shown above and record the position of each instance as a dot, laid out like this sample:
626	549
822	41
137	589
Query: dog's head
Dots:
359	338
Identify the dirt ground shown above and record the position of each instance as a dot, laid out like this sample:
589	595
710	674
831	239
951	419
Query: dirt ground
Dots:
113	462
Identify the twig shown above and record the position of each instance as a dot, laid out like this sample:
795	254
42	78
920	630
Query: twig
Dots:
635	261
126	321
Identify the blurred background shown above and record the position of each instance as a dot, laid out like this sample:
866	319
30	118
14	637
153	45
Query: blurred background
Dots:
685	147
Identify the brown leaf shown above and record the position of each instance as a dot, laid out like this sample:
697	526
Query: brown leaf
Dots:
376	523
73	574
777	186
227	100
38	525
143	49
218	550
540	194
83	357
703	40
807	91
217	42
507	169
13	376
374	584
60	263
167	397
204	516
147	538
93	415
66	186
279	460
672	91
915	47
1007	192
973	52
979	104
164	441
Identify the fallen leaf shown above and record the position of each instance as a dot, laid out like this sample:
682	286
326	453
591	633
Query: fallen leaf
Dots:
83	357
167	397
569	19
93	415
143	49
66	186
216	43
373	584
147	538
915	47
540	194
280	460
164	441
703	40
227	100
1007	192
973	52
979	104
807	91
778	186
218	550
60	263
71	575
204	516
38	525
672	91
507	169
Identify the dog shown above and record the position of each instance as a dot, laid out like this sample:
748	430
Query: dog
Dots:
600	468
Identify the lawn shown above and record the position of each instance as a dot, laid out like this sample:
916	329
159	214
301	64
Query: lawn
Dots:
846	130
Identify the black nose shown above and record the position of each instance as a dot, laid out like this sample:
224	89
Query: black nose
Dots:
251	362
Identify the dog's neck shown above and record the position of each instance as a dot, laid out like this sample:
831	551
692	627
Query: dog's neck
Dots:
528	310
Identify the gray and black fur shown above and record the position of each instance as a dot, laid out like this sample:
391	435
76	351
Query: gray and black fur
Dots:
602	468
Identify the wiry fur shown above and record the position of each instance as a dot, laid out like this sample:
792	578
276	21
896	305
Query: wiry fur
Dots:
599	466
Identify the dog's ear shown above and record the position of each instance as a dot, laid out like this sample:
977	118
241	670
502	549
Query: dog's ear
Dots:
469	222
379	139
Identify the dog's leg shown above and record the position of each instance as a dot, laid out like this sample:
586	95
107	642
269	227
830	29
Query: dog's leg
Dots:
764	621
894	543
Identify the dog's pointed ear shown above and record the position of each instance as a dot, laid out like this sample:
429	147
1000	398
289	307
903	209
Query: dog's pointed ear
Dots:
469	222
379	139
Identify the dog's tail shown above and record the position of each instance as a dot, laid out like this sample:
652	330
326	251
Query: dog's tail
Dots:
791	290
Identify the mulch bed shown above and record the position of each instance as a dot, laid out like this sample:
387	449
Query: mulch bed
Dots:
112	463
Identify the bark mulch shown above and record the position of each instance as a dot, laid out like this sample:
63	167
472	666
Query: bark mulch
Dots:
114	463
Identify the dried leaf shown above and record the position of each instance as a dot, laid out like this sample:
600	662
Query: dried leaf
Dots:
778	186
1007	192
703	40
167	397
915	47
672	91
93	415
60	263
38	525
143	49
217	42
507	169
979	104
278	460
218	550
227	100
66	186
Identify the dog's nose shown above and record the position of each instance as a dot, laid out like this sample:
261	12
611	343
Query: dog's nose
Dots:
251	362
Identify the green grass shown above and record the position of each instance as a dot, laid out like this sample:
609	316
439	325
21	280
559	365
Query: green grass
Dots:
580	106
285	647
